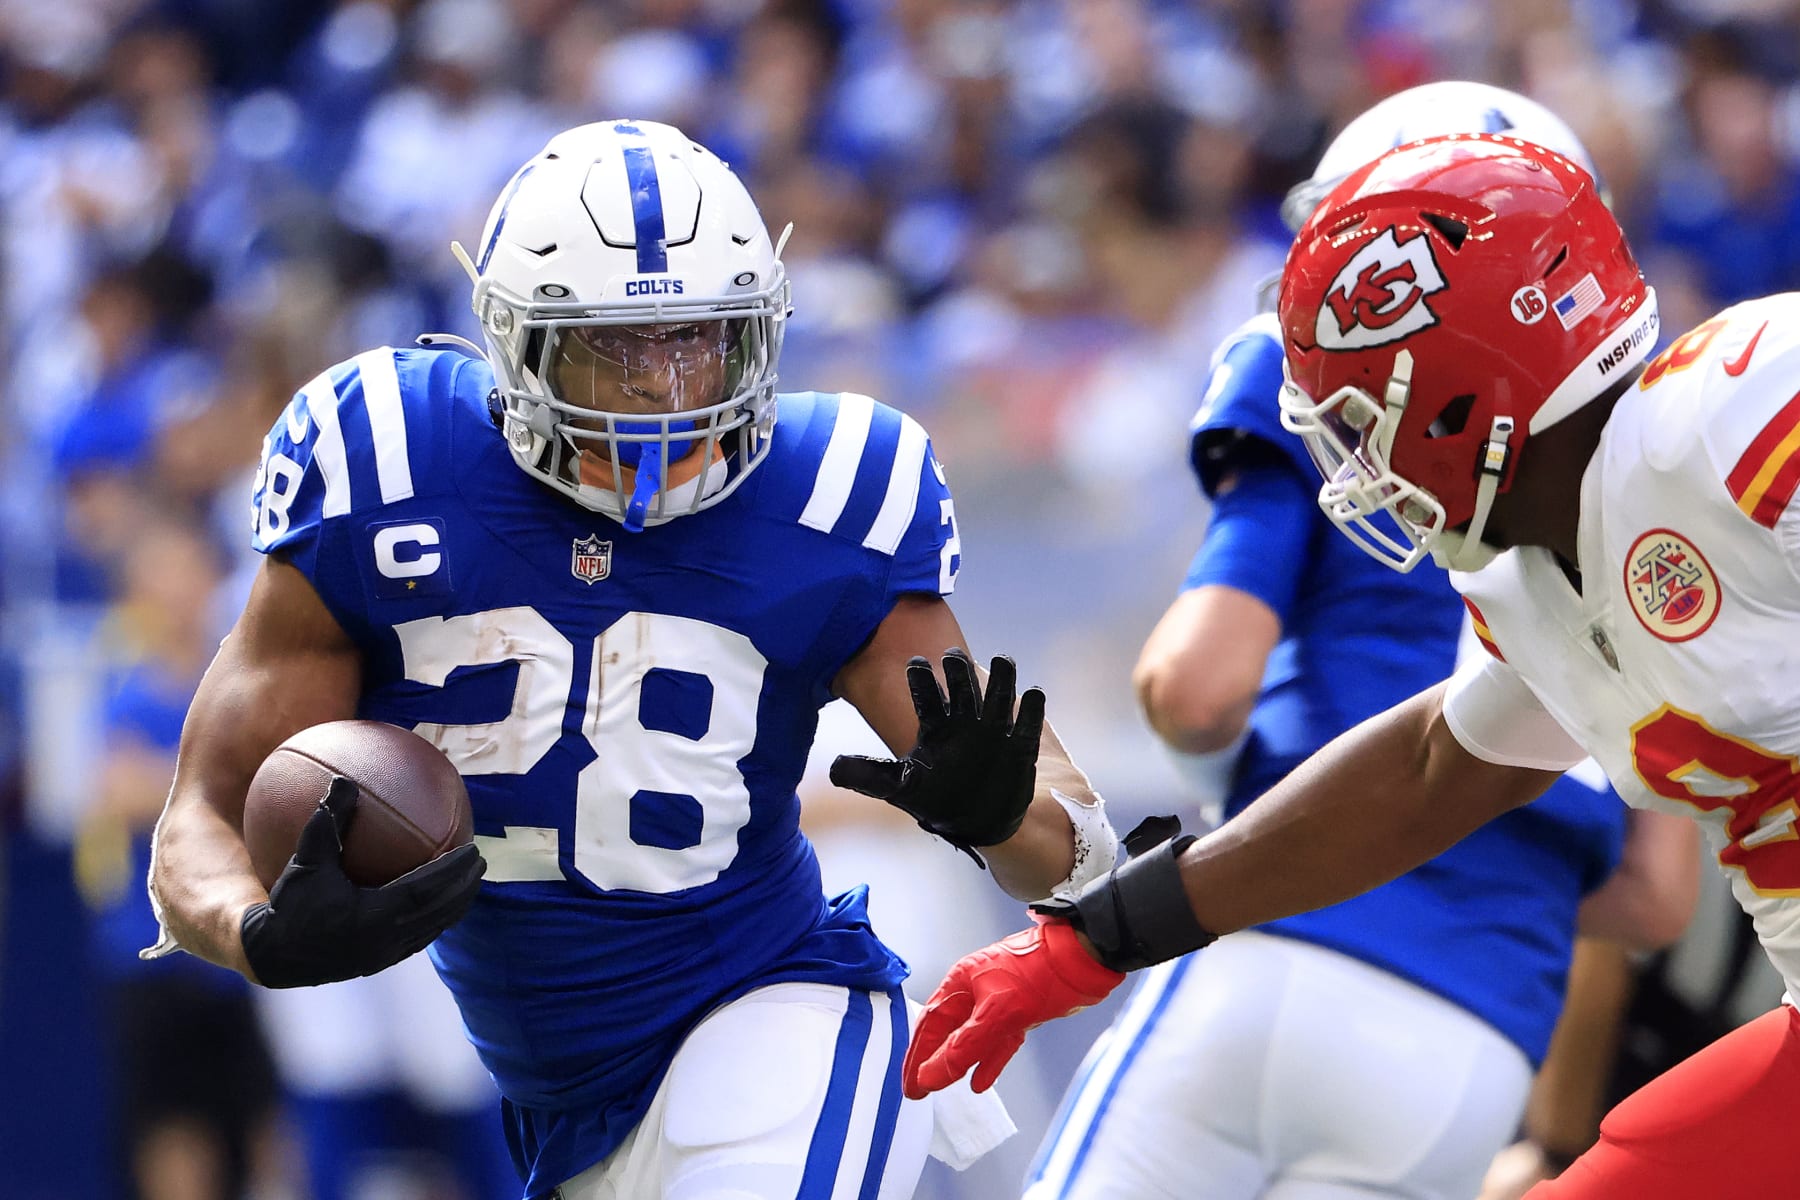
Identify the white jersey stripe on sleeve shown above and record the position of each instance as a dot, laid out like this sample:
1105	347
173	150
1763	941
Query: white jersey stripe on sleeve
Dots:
902	490
837	469
387	423
328	446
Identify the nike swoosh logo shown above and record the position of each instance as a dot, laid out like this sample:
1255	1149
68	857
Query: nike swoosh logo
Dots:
1741	363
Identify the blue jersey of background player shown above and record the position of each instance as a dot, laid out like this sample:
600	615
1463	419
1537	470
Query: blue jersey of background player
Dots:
614	577
1488	926
1381	1046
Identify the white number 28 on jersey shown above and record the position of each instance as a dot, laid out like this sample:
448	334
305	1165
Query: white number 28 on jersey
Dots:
629	758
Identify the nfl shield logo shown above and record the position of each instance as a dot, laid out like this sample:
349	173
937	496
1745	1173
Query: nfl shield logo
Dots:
591	559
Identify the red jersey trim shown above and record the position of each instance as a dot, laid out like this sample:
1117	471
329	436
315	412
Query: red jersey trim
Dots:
1482	634
1766	477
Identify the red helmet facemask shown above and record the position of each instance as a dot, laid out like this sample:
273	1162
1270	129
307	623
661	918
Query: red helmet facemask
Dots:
1443	304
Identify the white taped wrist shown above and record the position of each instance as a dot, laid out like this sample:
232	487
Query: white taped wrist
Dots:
1096	844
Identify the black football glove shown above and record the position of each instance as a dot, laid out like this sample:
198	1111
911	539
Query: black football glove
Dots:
970	777
318	927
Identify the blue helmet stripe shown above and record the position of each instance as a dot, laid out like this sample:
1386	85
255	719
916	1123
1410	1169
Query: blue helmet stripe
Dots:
512	188
646	203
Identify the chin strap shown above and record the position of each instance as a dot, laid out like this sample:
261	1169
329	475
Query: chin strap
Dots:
1494	457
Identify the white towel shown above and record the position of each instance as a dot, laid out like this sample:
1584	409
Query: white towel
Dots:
964	1125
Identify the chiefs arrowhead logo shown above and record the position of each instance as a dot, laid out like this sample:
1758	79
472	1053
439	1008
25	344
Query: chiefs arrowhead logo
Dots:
1379	296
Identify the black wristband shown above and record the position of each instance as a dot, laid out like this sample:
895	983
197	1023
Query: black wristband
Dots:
1138	915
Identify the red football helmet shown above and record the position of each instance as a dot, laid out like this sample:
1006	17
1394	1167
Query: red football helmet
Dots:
1442	304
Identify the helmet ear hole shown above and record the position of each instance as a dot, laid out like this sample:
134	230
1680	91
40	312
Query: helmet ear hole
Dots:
1455	232
1453	419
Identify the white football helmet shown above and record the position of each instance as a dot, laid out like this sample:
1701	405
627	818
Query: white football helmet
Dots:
1432	110
633	308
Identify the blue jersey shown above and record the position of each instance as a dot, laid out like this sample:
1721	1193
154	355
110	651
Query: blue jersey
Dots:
631	712
1489	924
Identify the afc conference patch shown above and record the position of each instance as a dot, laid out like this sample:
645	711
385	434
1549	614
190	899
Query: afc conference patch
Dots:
591	559
1671	586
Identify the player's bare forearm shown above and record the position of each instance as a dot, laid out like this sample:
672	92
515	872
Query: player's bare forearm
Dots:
285	666
1200	671
1031	863
1569	1095
1383	798
201	876
1650	896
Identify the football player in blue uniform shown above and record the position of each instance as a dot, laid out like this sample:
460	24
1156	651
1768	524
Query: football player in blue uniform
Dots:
613	575
1383	1046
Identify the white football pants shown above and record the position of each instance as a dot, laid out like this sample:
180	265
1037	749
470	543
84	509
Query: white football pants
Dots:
791	1092
1265	1067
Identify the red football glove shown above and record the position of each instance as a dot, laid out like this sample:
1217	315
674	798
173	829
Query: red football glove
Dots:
991	998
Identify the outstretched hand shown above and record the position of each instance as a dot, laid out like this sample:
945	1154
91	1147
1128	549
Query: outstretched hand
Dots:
980	1014
970	777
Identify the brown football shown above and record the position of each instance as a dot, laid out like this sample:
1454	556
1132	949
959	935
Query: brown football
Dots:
411	805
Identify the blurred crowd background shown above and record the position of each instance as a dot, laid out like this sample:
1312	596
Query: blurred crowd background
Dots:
1028	222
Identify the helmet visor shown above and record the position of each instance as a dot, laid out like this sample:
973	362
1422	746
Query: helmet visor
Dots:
646	370
1389	518
1340	446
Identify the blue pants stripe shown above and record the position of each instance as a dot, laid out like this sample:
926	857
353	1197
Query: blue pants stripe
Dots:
1111	1084
1059	1123
888	1115
827	1147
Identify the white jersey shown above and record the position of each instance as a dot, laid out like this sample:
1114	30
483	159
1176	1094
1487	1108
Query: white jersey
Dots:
1677	664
